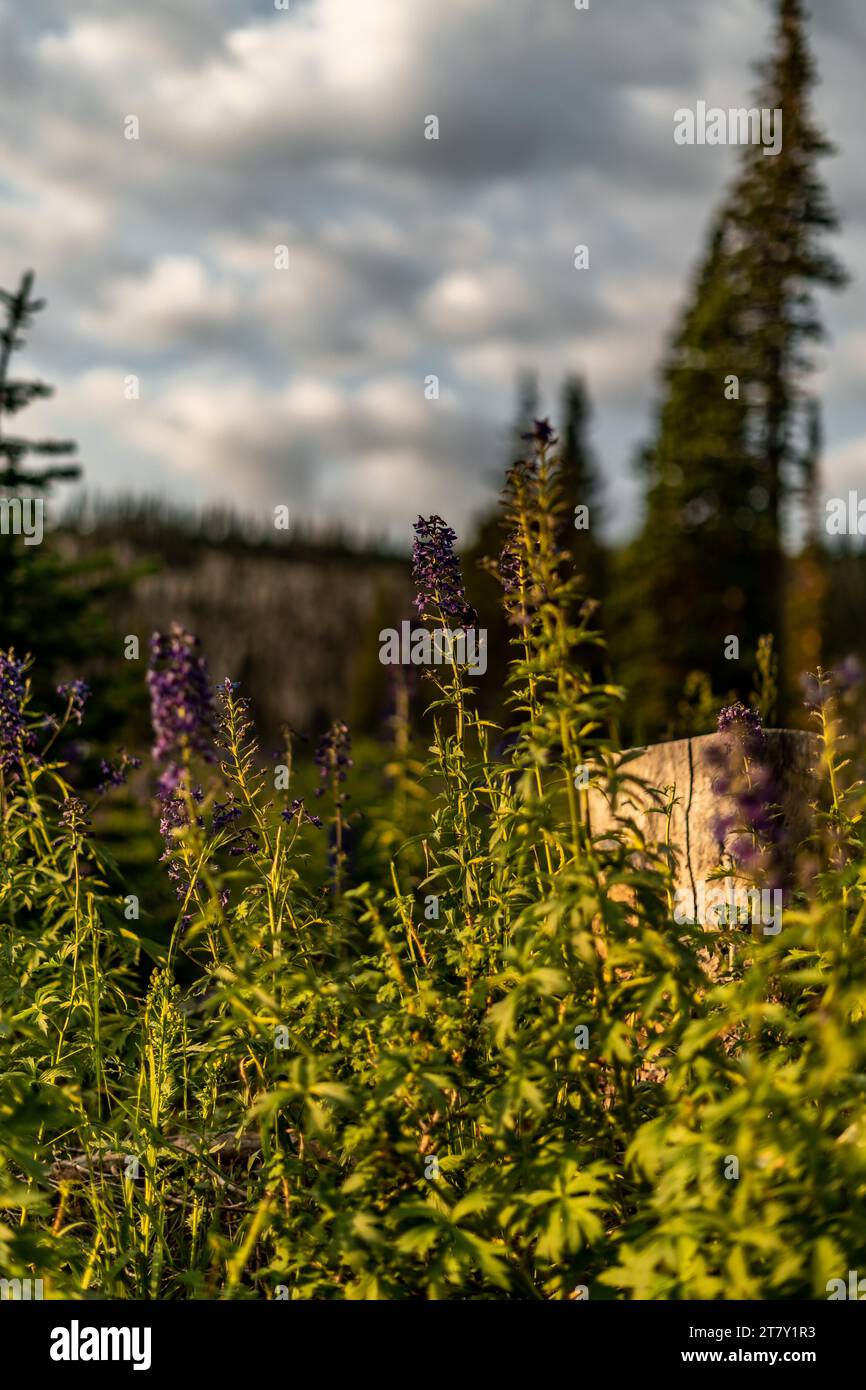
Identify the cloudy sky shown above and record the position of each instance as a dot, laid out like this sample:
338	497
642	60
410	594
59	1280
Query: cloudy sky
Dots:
262	127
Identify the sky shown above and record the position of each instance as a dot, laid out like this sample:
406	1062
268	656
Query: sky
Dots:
304	128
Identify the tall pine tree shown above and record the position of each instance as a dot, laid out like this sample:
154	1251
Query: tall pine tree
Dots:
27	572
726	463
62	611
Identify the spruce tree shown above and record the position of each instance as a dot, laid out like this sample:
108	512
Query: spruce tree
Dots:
62	610
779	214
726	463
27	571
19	309
702	545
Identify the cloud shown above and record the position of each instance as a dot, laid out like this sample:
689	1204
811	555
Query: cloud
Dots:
408	256
174	298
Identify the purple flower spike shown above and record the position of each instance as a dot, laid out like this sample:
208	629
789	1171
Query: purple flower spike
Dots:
542	434
15	737
73	815
745	724
298	809
749	827
77	693
437	575
509	569
225	812
333	754
115	775
181	702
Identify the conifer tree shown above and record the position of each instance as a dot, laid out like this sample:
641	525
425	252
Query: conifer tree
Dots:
779	213
20	308
63	611
25	575
702	544
726	463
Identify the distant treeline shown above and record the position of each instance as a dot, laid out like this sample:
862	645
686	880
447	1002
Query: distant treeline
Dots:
168	527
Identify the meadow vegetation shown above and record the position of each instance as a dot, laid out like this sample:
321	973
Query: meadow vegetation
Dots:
433	1040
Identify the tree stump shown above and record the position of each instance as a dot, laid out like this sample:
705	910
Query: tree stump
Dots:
792	757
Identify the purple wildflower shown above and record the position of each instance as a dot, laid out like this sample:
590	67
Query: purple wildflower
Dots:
298	808
224	812
509	569
73	814
173	817
76	693
437	575
751	816
745	724
115	775
517	592
332	755
15	736
542	434
181	702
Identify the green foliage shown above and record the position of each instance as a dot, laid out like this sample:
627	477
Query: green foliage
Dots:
494	1066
